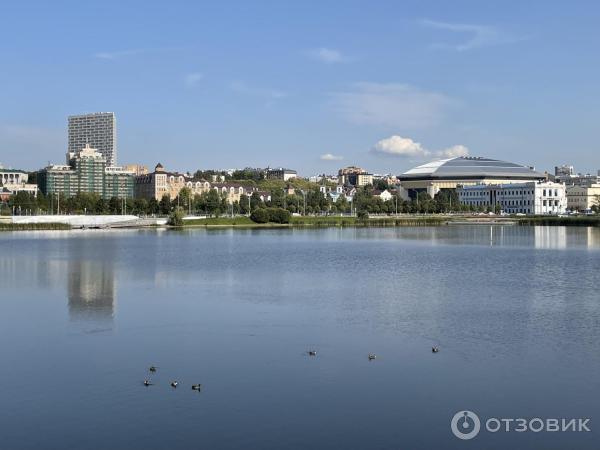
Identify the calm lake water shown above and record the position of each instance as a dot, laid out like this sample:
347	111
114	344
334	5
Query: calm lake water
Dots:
83	314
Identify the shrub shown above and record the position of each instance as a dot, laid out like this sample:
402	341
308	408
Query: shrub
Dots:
260	215
279	215
362	215
176	218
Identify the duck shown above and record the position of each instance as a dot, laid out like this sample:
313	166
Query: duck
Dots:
196	387
435	349
152	369
147	383
372	356
174	384
312	353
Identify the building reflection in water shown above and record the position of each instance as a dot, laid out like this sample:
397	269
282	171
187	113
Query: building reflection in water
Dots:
91	290
91	281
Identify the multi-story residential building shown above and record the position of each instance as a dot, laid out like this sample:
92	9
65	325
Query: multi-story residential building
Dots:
280	174
99	130
86	171
564	171
583	198
566	174
354	176
58	179
119	182
515	198
160	183
13	181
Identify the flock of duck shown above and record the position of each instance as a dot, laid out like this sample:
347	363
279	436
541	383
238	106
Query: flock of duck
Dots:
198	387
174	383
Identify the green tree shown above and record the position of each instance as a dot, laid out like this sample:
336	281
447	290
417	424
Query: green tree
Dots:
213	202
255	201
153	206
244	204
114	205
164	206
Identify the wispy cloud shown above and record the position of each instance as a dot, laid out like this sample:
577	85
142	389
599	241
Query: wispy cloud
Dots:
328	55
330	157
404	147
192	80
242	88
391	105
118	54
476	35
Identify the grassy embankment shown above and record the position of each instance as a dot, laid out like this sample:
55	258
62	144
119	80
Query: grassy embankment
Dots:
330	221
33	226
223	221
336	221
581	221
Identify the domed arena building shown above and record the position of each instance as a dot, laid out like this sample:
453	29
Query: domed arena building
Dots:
464	170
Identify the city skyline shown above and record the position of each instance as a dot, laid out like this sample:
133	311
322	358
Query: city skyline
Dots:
386	88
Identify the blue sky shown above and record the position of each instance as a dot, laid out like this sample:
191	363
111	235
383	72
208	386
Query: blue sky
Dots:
307	85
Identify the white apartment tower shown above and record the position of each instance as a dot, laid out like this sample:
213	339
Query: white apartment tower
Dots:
99	130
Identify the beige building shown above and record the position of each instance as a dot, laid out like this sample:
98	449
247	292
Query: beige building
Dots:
232	192
160	183
583	198
137	169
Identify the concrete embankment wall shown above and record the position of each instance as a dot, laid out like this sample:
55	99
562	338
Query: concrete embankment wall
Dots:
75	221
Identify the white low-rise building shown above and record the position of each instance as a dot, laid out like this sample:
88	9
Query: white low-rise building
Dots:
13	181
517	198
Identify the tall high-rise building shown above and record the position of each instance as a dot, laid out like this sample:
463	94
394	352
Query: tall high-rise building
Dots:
99	130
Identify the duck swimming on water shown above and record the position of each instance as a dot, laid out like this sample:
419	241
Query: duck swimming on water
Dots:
152	369
174	384
196	387
435	349
147	383
312	353
372	356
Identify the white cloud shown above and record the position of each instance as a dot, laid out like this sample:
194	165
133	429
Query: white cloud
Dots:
327	55
454	151
192	79
391	105
478	35
331	157
243	88
399	146
117	54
